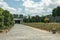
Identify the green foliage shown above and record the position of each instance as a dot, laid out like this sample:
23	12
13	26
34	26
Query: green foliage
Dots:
15	15
1	18
1	10
38	18
25	19
1	26
20	16
32	19
56	11
6	19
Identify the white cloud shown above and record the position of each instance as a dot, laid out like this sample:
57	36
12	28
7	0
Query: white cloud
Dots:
5	6
16	0
1	0
43	7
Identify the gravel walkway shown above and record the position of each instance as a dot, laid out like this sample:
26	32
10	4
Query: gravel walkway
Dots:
22	32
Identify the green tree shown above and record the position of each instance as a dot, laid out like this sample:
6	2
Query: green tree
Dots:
1	10
25	19
21	16
6	19
11	20
33	18
56	11
15	15
38	19
6	15
1	19
1	22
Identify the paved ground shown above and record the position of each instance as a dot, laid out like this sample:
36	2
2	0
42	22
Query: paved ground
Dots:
22	32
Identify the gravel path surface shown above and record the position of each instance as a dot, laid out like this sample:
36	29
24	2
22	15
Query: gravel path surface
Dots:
22	32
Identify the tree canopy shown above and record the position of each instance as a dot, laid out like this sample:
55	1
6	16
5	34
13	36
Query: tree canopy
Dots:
6	19
56	11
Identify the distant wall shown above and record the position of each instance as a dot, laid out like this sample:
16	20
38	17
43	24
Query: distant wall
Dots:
55	19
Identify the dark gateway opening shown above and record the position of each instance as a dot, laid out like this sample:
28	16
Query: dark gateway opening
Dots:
17	21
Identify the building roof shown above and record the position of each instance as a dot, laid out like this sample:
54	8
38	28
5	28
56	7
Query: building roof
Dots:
18	19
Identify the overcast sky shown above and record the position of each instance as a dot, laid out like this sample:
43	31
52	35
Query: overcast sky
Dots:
29	7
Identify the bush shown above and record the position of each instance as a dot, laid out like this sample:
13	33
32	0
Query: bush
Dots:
1	26
6	19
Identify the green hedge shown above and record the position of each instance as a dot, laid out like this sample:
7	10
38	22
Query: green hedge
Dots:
6	19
